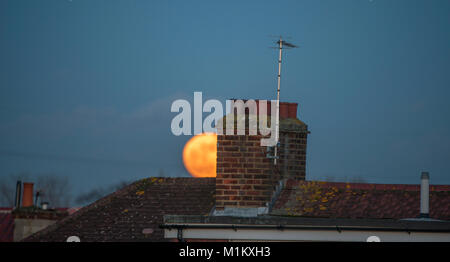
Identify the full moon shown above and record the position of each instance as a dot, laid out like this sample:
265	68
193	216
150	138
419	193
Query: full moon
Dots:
199	155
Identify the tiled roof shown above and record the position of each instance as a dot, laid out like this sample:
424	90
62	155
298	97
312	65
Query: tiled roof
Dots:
135	212
357	200
6	225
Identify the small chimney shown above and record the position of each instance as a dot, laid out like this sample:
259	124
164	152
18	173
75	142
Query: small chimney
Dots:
18	194
27	199
424	195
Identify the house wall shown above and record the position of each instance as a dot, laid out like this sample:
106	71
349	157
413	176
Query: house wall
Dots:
24	227
306	235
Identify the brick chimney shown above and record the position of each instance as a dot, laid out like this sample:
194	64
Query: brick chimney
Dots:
246	177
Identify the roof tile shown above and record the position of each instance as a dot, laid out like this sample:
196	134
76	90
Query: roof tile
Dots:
135	212
6	225
358	200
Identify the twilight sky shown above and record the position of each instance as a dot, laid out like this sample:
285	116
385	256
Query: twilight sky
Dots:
86	85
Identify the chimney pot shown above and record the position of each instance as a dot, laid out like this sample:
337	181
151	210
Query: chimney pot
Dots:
287	110
27	198
284	110
292	112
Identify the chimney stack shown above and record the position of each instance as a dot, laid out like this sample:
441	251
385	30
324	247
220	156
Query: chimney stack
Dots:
246	176
424	195
27	199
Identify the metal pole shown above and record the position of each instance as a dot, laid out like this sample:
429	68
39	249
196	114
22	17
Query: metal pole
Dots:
18	194
425	195
277	117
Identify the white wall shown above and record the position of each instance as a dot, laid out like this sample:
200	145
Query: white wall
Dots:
308	235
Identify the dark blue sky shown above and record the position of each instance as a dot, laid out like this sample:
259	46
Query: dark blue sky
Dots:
86	86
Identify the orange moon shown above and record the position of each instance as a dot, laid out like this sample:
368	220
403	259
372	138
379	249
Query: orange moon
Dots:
199	155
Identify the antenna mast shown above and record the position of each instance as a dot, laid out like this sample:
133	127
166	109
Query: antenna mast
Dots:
286	45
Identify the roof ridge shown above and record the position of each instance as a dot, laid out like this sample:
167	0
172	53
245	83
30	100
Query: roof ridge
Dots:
374	186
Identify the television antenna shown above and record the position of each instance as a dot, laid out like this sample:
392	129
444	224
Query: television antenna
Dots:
282	44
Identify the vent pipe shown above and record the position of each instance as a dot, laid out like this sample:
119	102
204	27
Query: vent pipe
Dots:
424	195
18	194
